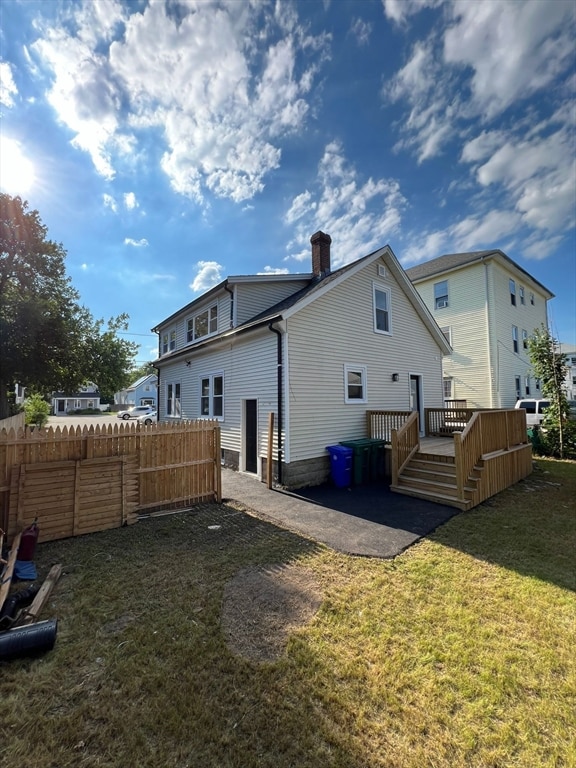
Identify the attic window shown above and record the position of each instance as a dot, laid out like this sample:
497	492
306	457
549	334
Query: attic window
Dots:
381	301
203	324
441	294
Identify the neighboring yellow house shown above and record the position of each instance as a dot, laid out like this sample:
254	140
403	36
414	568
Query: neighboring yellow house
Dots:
487	306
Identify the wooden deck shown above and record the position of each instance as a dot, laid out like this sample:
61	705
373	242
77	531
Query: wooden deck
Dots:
465	457
437	446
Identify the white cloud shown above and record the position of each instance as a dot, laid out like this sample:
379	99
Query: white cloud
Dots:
136	243
110	202
7	85
537	173
212	80
359	215
425	85
361	30
301	205
399	10
514	48
274	271
130	201
208	275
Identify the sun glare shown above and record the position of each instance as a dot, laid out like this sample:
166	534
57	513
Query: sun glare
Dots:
16	171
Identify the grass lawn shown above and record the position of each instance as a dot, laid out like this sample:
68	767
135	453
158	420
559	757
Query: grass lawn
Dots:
459	652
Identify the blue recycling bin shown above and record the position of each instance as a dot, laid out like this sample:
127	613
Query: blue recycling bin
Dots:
340	465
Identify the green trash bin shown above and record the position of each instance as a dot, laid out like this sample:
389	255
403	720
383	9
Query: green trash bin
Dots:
368	459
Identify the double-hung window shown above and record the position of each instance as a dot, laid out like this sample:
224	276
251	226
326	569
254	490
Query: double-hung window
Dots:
521	293
381	302
173	402
447	333
524	339
168	341
515	338
355	383
441	294
512	288
205	323
212	396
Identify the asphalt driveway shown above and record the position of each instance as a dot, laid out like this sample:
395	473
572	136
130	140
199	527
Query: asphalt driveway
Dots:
364	520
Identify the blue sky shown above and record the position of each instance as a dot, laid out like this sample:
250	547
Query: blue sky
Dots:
167	145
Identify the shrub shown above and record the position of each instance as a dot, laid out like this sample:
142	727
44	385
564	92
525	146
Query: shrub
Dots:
37	410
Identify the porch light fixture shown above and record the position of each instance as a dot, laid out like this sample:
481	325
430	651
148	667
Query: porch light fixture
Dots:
395	377
188	363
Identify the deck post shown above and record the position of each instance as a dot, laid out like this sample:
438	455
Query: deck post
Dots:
459	463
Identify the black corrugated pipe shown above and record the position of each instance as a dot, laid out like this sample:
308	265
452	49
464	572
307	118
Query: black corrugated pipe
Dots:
33	638
279	367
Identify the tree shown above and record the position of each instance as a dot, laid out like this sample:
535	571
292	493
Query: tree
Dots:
48	341
37	410
142	370
550	366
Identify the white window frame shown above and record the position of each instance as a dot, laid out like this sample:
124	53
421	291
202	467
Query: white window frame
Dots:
211	313
352	368
518	386
174	399
377	288
524	339
168	343
515	338
441	295
521	293
512	289
210	396
447	333
527	386
448	387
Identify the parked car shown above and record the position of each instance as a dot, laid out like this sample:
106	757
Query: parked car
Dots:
534	410
135	412
148	418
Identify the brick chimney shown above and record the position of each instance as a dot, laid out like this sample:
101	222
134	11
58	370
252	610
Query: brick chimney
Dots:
320	253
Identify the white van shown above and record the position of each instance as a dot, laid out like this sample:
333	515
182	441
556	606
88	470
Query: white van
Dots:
534	410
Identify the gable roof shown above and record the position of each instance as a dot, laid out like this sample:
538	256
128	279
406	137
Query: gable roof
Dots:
316	287
452	261
140	381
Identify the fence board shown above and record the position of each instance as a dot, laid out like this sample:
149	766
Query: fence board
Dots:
100	477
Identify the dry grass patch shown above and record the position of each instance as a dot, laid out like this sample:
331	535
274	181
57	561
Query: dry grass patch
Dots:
457	654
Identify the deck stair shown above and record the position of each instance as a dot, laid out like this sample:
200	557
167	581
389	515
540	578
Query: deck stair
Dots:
431	477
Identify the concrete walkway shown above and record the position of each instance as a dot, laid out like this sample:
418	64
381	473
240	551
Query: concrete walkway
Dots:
364	520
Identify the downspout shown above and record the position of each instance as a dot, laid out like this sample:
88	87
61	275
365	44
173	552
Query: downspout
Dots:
231	292
279	386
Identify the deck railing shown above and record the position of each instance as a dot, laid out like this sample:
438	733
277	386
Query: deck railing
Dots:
488	433
379	424
405	443
442	422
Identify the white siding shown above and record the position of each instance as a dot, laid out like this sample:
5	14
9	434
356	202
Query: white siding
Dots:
484	365
254	298
509	364
469	365
248	365
338	328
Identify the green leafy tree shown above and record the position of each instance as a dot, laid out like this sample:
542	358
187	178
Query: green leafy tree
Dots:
142	370
550	366
36	410
48	341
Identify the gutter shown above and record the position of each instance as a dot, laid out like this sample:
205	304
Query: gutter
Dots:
279	396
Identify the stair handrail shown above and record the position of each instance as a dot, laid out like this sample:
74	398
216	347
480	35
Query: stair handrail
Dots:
405	443
467	451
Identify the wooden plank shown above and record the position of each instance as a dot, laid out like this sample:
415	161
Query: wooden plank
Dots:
8	572
31	614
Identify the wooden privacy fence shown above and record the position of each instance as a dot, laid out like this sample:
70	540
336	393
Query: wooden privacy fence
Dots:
79	481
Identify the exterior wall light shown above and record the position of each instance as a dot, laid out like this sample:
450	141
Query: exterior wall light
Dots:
395	377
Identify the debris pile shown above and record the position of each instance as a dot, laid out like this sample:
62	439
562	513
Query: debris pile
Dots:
20	631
